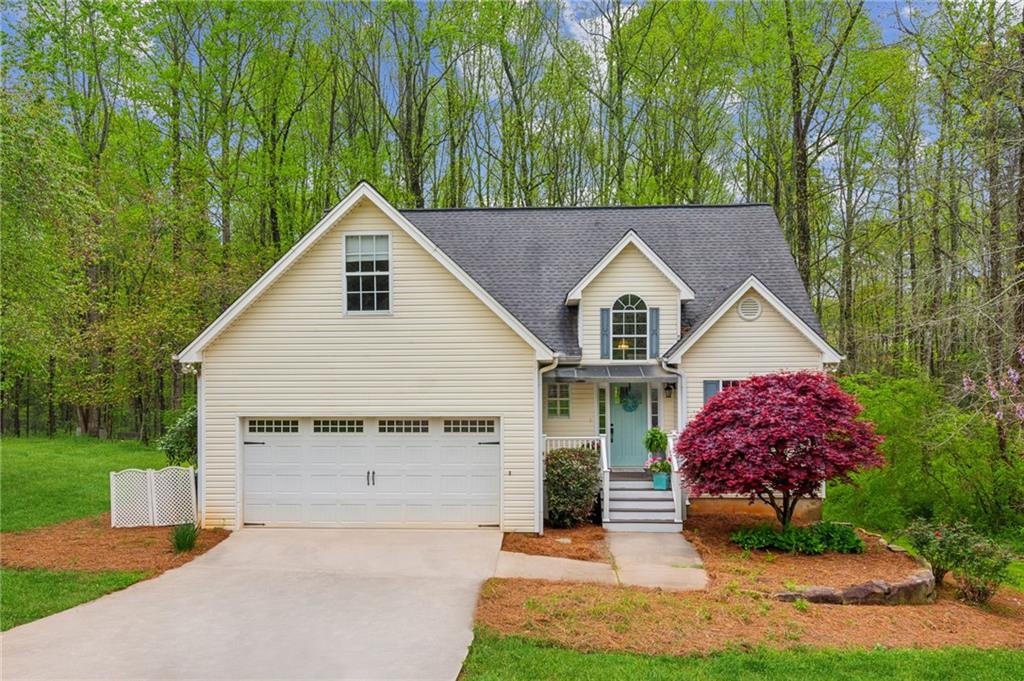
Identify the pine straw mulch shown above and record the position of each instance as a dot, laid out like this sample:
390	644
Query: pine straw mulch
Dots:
586	542
772	572
90	544
739	610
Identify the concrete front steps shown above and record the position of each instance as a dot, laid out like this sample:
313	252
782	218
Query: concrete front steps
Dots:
635	506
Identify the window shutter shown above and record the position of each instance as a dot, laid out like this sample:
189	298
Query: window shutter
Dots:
606	332
711	389
653	330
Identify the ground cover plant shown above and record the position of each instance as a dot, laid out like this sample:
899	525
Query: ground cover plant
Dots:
807	539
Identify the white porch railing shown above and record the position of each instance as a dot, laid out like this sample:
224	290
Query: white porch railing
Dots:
679	492
598	442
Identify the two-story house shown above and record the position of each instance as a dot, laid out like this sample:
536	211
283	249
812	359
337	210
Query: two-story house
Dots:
409	368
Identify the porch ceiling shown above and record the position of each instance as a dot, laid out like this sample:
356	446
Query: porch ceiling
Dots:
607	373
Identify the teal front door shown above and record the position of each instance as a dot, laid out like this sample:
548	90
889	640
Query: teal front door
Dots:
629	423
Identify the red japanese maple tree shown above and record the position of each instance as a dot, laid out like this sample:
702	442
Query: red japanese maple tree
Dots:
775	438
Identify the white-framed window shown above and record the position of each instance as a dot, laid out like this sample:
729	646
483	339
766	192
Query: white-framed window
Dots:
337	425
629	328
602	411
273	425
558	400
367	273
713	387
469	425
655	408
403	426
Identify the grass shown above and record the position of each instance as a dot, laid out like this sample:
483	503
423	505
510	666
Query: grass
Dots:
27	595
494	657
47	481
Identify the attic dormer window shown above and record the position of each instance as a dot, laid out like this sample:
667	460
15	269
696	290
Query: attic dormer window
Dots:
629	328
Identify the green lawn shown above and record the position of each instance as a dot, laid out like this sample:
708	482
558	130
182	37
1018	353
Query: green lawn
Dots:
492	657
27	595
45	481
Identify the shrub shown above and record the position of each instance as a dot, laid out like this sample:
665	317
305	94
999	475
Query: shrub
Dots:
939	544
180	444
775	438
655	441
810	540
183	537
571	480
981	569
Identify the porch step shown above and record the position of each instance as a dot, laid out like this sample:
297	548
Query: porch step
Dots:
631	484
641	505
641	514
644	526
641	494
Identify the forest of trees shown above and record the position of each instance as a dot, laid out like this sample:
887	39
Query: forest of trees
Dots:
157	157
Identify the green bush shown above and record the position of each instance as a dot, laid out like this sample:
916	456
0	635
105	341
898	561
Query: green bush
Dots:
979	563
981	569
183	537
810	540
943	461
571	480
180	444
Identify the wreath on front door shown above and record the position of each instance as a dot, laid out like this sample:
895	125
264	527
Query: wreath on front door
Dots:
628	400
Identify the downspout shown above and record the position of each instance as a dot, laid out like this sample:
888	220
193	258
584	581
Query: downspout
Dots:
677	483
539	472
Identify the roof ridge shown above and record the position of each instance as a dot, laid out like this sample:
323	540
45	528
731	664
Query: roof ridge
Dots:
639	207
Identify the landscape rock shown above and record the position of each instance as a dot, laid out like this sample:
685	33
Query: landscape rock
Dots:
916	589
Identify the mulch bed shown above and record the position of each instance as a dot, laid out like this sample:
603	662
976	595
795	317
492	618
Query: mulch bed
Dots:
739	608
90	544
586	542
775	571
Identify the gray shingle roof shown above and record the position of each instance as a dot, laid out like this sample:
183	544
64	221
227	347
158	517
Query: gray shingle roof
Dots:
530	258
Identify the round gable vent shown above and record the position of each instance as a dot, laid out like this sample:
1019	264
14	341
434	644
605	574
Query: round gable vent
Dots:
749	309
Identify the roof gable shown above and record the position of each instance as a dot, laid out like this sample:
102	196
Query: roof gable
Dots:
630	238
828	354
364	191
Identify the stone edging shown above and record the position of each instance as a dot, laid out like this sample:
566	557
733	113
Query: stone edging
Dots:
915	589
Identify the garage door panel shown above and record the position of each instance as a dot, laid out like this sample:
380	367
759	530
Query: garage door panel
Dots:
424	479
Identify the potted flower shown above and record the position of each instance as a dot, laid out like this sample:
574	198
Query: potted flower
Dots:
656	442
660	470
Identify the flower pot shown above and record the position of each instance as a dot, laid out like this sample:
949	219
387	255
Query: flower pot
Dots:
660	480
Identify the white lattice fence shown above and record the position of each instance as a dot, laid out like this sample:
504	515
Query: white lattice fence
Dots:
152	497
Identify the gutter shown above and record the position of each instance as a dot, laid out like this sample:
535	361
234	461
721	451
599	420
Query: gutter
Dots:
539	471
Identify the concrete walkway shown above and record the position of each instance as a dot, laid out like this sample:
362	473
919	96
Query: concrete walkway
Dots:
277	604
651	559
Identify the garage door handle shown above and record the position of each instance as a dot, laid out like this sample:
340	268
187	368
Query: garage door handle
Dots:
367	478
246	442
375	478
496	442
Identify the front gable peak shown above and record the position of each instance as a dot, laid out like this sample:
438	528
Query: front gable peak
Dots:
631	238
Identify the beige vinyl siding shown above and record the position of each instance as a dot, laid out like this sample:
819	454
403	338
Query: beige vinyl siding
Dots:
629	272
736	349
440	352
582	413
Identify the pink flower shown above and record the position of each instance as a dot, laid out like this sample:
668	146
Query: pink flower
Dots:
968	384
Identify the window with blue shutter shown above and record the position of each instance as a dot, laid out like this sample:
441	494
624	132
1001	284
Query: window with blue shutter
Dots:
653	329
606	333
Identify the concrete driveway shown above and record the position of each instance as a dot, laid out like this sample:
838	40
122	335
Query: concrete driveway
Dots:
278	604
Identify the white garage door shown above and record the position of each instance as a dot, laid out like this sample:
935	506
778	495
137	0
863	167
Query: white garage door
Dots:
420	472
